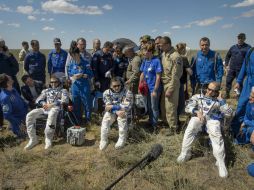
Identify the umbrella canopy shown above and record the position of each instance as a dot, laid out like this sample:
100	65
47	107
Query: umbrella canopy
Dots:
124	42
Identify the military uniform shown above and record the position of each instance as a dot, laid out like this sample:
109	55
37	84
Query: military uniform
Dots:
172	72
133	73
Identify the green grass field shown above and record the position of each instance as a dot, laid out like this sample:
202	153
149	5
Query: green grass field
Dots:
65	167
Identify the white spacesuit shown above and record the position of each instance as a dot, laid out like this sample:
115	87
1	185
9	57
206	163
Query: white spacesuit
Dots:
54	97
213	109
120	101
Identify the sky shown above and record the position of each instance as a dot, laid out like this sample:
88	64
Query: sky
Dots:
181	20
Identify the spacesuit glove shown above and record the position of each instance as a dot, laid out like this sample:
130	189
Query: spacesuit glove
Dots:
108	74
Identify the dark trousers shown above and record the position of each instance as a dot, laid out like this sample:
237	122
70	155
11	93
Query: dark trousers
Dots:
232	74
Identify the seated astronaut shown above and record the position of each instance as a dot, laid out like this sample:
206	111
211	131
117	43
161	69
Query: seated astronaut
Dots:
208	110
118	102
51	100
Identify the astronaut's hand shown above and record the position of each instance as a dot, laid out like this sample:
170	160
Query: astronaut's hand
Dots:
120	113
77	76
47	106
108	107
201	117
252	138
168	93
85	76
108	74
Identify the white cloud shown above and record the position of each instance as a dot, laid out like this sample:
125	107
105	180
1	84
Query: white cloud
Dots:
30	1
65	7
48	28
167	33
107	7
176	27
91	31
5	8
25	9
82	31
31	17
207	22
154	30
1	22
16	25
62	32
224	5
245	3
247	14
47	20
226	26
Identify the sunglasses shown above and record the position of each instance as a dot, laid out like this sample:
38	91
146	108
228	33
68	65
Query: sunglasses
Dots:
212	90
116	86
52	82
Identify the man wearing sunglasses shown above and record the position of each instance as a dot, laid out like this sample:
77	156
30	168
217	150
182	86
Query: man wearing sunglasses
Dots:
117	103
50	100
208	110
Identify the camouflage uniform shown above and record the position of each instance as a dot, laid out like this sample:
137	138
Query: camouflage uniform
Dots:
133	73
172	72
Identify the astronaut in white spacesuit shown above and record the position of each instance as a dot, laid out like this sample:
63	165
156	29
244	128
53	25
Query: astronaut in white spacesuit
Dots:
208	111
51	100
118	102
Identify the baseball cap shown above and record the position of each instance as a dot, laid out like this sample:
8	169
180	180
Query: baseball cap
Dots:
241	35
57	41
146	38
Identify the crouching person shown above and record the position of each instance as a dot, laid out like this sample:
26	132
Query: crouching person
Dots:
51	100
208	111
13	107
118	102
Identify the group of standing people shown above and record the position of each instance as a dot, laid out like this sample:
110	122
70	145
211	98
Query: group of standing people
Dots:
157	70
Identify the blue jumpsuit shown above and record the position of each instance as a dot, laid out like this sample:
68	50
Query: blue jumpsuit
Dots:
102	63
204	70
234	59
56	61
14	109
35	64
80	88
249	125
247	71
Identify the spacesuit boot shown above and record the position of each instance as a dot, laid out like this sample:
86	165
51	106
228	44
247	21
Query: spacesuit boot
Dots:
32	138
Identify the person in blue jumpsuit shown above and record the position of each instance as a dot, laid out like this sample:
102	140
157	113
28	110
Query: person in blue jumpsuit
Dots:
57	58
80	73
246	132
234	60
13	106
246	75
207	66
102	64
35	63
120	63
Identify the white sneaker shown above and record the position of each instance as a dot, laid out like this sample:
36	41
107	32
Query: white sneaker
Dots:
119	144
103	145
31	144
222	169
183	157
48	143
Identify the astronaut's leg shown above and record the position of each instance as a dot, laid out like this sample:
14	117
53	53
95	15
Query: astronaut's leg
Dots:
107	121
194	126
122	125
214	131
50	127
31	130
